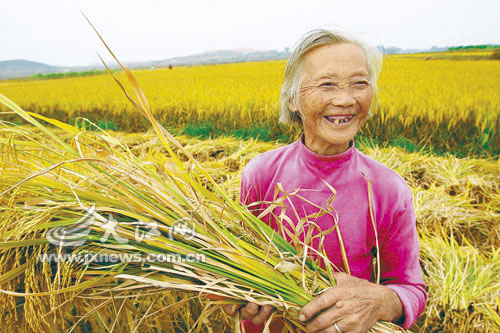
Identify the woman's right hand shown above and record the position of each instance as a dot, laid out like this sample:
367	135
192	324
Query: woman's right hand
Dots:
251	311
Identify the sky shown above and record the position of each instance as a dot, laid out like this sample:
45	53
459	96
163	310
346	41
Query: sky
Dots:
54	31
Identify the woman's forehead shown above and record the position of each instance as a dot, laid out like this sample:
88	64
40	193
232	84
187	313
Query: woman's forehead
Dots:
337	60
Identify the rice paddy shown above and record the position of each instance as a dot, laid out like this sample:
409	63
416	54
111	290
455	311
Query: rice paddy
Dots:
440	106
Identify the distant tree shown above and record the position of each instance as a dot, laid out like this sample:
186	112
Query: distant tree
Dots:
495	55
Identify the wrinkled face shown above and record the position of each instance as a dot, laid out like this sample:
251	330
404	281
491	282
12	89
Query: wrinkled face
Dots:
335	96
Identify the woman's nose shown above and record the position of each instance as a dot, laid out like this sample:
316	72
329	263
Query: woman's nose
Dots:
343	96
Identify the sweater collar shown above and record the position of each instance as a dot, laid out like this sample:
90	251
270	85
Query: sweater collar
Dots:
312	156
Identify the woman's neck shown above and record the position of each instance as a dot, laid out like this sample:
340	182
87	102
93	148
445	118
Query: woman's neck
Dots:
325	150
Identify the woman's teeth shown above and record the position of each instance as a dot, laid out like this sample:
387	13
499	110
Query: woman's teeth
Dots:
337	120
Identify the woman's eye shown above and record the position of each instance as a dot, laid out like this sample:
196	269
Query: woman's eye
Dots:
362	83
326	84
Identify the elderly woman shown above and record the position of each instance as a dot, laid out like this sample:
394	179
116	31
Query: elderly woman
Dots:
329	87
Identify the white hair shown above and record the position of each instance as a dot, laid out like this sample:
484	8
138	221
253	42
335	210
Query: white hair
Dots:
313	39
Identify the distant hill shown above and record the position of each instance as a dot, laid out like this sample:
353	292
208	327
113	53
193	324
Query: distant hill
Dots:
25	68
397	50
217	57
240	55
10	69
20	68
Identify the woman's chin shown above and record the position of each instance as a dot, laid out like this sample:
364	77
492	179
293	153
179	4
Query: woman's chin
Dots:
339	139
330	140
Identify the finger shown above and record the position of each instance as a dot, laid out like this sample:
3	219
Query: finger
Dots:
329	330
350	325
341	277
324	321
263	314
231	309
327	299
348	318
249	311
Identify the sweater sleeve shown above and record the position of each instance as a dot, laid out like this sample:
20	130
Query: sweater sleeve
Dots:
400	267
248	195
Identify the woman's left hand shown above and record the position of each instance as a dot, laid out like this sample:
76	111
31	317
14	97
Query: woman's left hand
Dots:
354	305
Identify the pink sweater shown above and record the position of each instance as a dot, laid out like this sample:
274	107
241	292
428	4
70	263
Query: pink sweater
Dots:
296	167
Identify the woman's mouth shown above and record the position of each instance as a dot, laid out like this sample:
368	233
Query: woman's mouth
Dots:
340	119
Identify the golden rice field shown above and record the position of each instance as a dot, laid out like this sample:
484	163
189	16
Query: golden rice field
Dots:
448	107
442	106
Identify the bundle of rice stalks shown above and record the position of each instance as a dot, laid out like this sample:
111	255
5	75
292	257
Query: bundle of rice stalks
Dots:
463	283
87	213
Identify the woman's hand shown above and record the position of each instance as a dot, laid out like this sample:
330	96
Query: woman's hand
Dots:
354	305
251	311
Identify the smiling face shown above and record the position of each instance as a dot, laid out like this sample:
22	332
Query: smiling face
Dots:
335	96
